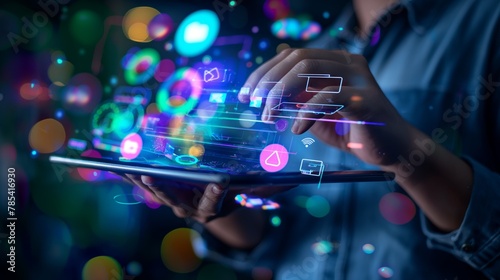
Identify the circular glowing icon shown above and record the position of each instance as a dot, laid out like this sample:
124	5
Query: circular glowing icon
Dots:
273	158
196	33
104	116
131	146
182	81
141	66
186	160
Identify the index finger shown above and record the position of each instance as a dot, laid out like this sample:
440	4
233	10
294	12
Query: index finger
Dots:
250	84
298	86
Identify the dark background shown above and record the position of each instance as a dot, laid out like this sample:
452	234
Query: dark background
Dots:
63	222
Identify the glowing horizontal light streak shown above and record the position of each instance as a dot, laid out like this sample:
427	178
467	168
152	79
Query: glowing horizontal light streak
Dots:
205	142
352	145
330	120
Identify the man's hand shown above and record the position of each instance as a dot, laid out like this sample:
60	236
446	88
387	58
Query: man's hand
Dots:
362	98
199	202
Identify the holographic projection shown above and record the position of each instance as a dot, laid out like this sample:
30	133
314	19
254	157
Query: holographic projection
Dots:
192	118
157	87
178	106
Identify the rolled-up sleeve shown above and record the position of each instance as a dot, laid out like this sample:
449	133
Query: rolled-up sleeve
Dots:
477	240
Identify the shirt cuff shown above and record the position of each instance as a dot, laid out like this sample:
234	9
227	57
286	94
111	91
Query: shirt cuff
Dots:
477	240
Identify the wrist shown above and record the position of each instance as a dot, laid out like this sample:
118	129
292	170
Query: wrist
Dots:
414	160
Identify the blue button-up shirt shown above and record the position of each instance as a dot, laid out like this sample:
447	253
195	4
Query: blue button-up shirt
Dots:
438	62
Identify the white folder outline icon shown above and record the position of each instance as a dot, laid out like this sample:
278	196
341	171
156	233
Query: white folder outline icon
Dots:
320	76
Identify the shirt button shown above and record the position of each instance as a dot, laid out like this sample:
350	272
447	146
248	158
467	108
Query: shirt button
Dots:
468	248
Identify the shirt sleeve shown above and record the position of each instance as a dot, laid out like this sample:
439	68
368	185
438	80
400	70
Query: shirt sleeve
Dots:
242	260
477	240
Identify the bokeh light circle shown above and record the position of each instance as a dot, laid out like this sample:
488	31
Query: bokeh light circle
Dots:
177	252
47	136
134	268
197	150
276	9
127	120
182	81
102	268
385	272
342	128
262	273
196	33
297	29
164	69
368	249
136	23
141	66
281	125
82	94
397	208
60	72
276	221
86	27
281	47
322	247
160	27
149	200
32	90
89	174
247	119
317	206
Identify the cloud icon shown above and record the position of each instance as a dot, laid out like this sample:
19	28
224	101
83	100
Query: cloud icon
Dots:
196	32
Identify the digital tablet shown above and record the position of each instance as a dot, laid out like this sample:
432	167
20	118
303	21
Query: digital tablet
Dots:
201	175
180	114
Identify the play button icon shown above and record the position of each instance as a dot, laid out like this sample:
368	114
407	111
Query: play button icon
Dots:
273	158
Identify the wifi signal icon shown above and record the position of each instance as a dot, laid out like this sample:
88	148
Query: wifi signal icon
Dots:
308	141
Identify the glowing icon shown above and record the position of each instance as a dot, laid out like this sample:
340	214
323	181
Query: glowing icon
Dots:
315	78
245	90
308	141
311	167
217	98
211	75
195	32
255	102
131	146
273	158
